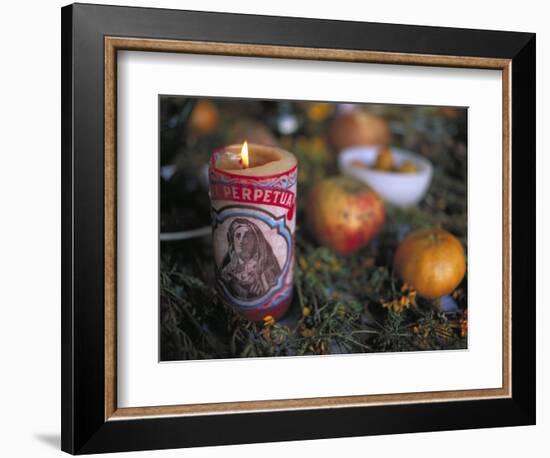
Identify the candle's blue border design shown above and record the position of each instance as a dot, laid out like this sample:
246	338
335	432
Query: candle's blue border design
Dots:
219	217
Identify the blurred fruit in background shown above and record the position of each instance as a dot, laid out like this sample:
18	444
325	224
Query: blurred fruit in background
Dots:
205	118
357	128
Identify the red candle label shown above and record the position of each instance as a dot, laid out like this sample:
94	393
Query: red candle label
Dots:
255	195
253	238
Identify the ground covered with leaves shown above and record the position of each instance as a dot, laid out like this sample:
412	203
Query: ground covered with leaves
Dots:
341	304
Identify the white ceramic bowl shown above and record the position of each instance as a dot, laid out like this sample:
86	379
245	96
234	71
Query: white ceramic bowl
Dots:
401	189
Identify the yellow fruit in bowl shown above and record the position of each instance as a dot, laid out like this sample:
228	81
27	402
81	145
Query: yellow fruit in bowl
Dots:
407	167
432	261
384	160
344	214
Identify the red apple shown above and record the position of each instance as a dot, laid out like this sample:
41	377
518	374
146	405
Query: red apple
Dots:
344	214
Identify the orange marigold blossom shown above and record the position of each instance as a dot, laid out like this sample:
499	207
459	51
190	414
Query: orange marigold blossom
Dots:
269	320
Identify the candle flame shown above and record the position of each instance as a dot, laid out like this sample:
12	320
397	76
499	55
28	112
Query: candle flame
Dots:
244	155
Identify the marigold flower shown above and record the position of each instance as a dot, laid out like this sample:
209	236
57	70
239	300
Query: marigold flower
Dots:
269	320
397	305
319	111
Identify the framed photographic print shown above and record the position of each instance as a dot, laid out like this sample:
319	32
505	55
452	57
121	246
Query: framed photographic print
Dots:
282	228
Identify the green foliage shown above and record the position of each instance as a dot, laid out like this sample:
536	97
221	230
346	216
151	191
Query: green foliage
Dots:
341	303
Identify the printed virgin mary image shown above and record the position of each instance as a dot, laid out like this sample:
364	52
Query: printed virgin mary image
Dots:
249	269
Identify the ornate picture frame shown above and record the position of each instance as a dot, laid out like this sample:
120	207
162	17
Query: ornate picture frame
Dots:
92	421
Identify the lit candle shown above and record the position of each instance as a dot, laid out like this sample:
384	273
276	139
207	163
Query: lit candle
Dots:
253	197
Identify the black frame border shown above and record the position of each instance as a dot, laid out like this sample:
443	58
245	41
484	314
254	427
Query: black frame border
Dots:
84	429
